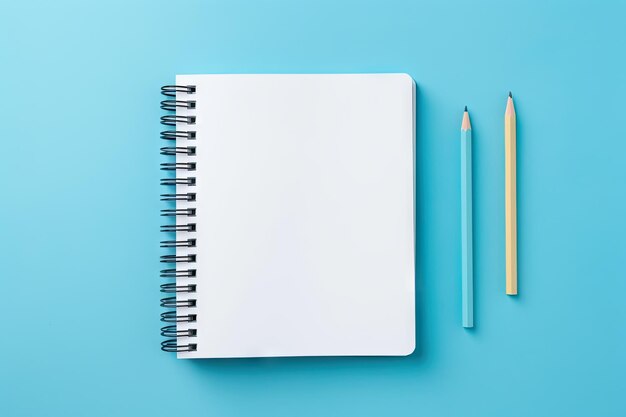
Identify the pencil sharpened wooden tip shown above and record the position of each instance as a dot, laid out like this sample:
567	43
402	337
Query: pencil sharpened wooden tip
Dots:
466	125
510	107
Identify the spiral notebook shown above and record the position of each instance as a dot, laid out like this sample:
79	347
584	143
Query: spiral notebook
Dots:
289	211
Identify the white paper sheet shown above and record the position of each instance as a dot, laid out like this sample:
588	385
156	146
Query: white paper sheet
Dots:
305	215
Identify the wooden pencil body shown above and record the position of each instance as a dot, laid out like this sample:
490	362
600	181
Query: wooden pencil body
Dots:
510	201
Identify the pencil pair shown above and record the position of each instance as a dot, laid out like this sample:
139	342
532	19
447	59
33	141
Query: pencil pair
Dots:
510	207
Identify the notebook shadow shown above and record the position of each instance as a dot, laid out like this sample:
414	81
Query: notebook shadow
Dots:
418	192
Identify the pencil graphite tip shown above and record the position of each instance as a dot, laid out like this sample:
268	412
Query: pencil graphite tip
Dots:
465	108
510	95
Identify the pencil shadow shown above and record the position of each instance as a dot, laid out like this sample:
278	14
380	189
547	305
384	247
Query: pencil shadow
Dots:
476	198
521	167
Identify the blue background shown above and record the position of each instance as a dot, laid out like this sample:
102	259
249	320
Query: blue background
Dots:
79	213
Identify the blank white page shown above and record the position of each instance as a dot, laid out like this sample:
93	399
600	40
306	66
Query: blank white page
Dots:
305	215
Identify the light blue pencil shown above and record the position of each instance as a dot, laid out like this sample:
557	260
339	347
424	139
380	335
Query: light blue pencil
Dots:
467	264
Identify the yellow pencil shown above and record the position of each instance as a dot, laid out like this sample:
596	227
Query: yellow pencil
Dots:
510	196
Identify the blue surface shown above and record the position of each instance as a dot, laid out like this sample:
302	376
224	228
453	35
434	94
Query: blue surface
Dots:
79	217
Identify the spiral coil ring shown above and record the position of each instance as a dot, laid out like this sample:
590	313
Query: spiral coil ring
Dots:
174	150
171	331
171	317
179	197
178	134
187	166
172	345
178	212
189	243
171	90
172	302
171	120
173	288
173	259
179	336
176	181
189	227
176	273
172	105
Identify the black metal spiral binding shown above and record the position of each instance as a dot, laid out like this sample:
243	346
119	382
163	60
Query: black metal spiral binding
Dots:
171	345
179	339
182	181
173	259
189	227
171	331
190	212
175	273
178	134
172	302
179	197
173	288
174	150
171	317
189	243
172	105
186	166
171	120
171	90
